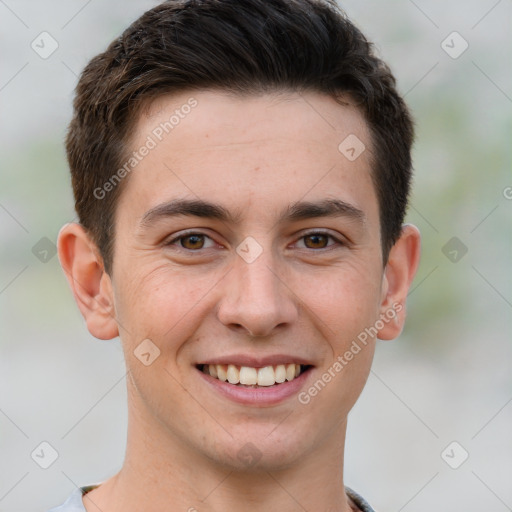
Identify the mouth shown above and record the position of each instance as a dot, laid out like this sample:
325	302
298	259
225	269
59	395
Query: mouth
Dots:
255	377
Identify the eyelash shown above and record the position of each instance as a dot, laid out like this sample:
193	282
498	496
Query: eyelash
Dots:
192	233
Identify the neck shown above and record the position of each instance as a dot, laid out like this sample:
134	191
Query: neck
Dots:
161	472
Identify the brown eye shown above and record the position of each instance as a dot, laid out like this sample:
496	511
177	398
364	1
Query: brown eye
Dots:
318	241
192	241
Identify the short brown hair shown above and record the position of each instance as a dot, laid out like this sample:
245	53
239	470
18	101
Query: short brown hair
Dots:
244	47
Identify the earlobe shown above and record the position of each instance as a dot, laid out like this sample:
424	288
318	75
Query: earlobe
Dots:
90	284
399	273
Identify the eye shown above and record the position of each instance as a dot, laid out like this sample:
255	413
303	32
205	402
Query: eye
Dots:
319	240
190	241
194	241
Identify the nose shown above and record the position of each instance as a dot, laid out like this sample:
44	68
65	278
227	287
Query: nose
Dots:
257	299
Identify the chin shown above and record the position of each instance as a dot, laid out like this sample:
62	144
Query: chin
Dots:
260	449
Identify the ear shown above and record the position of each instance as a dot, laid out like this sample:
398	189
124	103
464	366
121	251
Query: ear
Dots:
91	285
399	273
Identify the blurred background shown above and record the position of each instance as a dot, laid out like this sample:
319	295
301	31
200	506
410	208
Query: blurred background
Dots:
432	430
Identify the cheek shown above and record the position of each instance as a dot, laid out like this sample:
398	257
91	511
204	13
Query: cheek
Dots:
346	301
352	302
162	304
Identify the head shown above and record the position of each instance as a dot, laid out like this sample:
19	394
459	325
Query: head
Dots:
280	115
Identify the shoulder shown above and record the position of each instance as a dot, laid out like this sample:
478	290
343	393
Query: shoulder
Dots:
74	502
361	503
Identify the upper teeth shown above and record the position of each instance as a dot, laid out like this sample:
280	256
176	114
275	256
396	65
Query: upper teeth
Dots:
266	376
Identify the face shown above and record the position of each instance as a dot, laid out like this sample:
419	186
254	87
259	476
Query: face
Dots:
248	243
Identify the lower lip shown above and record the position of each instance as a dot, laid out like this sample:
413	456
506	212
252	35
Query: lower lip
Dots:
261	396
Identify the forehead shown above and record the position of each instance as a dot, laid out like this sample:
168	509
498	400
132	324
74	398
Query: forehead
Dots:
219	114
243	150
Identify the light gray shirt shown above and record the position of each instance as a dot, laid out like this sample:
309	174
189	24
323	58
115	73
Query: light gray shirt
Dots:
75	504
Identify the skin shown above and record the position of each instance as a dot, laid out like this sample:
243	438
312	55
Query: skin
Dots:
198	299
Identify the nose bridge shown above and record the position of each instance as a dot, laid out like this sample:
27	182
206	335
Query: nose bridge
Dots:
256	299
258	279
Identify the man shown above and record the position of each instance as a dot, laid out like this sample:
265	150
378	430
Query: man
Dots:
241	173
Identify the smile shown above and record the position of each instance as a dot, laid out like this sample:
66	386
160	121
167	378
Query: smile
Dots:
254	377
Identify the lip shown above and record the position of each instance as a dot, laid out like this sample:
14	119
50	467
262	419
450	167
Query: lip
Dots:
257	397
257	362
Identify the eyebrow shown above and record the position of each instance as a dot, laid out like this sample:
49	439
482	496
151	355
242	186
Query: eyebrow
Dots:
300	210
